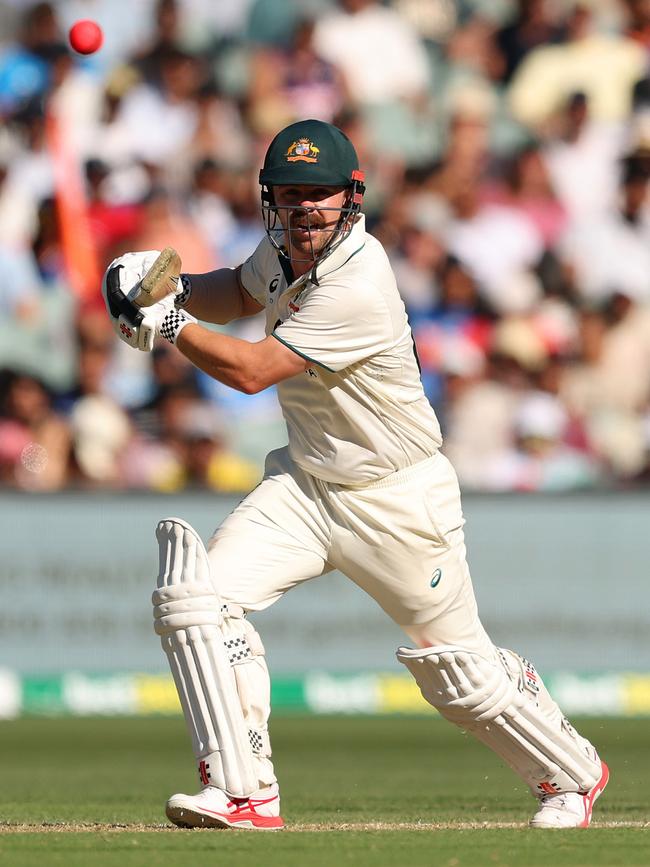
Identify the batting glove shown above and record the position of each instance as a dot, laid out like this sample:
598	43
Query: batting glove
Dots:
134	325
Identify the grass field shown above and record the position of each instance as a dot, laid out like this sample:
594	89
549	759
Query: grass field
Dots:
373	791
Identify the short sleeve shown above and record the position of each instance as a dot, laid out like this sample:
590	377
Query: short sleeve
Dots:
255	270
339	325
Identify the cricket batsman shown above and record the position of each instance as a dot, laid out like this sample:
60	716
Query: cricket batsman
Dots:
361	487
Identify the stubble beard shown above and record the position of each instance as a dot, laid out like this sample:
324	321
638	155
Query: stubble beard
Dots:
309	247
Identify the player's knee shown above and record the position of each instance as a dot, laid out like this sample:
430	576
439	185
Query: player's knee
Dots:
464	686
184	594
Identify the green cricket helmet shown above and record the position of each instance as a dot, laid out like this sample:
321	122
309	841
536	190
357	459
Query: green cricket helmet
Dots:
311	153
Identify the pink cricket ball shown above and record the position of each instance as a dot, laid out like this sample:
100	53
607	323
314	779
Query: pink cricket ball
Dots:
86	36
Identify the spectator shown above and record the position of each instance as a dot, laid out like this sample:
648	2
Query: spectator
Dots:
165	40
492	396
539	458
602	66
220	133
527	187
188	449
290	83
582	160
610	252
500	248
101	430
146	111
638	23
34	439
208	462
599	389
368	43
24	67
17	206
208	204
455	333
37	328
532	27
422	251
114	142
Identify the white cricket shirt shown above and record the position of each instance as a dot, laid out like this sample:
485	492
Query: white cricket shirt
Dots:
359	412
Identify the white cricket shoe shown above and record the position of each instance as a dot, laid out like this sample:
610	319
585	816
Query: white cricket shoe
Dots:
569	809
213	808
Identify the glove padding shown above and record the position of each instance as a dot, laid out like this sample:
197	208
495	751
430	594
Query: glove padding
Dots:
136	326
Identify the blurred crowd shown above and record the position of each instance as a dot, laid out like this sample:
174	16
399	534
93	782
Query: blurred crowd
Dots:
506	145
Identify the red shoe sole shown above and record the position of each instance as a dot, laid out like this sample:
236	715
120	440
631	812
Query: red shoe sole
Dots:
245	820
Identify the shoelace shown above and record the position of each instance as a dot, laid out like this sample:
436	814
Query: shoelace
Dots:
249	803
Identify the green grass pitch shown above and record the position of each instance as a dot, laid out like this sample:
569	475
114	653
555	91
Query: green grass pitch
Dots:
356	791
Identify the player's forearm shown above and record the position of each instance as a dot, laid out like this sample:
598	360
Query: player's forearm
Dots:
214	296
227	359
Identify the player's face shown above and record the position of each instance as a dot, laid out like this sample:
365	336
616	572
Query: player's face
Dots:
309	216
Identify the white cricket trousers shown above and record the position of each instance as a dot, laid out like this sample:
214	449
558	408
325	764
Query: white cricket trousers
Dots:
400	539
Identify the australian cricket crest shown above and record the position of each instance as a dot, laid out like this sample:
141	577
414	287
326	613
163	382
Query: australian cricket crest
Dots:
302	150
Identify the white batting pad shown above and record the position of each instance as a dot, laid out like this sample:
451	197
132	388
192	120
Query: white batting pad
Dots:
188	617
499	702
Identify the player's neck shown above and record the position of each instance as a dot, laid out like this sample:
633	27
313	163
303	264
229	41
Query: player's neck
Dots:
301	267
